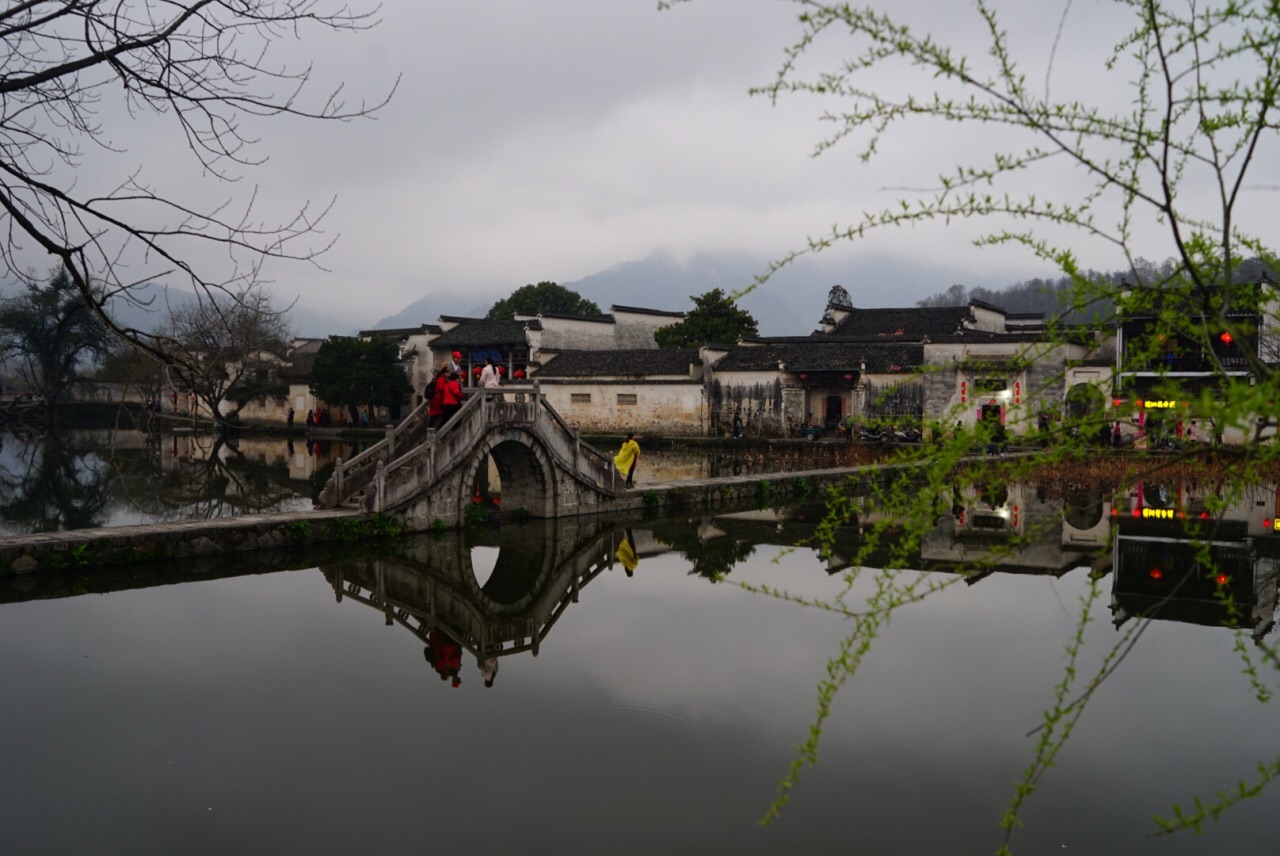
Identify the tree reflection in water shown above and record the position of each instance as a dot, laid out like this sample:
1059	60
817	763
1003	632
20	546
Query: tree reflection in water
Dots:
89	479
200	478
53	482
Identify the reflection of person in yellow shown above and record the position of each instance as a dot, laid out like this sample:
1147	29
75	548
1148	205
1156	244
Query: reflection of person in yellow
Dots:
627	554
627	458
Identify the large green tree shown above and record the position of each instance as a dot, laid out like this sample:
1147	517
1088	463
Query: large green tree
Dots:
50	334
350	372
545	297
715	318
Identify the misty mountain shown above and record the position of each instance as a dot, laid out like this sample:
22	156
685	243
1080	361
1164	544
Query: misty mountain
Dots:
427	310
789	304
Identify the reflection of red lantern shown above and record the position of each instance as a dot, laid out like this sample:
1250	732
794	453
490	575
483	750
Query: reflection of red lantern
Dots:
803	376
848	377
519	374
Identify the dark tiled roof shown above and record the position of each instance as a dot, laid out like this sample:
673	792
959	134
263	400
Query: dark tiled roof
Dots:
778	340
627	363
478	332
639	311
299	366
905	325
389	333
1151	302
973	301
598	319
1013	336
812	356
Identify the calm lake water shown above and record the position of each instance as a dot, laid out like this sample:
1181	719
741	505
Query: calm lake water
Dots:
274	703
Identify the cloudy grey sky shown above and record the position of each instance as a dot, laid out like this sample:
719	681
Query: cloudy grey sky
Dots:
552	140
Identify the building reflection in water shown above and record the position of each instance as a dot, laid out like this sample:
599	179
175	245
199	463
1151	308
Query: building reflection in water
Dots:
1175	560
465	626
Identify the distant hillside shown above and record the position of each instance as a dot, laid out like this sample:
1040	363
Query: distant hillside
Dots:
791	303
1051	296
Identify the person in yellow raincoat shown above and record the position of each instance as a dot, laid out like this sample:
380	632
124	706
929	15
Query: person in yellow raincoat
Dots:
627	458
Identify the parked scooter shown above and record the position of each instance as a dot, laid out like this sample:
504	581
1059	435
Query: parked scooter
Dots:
872	435
907	435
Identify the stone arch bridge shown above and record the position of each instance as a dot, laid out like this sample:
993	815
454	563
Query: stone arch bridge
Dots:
423	475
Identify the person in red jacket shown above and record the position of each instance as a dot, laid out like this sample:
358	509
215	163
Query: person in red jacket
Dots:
452	396
435	397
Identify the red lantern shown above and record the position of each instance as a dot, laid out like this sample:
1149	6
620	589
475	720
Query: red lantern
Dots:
1226	338
476	371
848	377
502	369
519	373
803	376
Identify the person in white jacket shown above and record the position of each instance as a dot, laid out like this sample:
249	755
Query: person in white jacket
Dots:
489	374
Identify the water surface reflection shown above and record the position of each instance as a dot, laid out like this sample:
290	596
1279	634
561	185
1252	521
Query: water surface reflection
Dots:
627	691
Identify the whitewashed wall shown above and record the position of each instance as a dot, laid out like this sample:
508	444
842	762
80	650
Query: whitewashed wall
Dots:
670	408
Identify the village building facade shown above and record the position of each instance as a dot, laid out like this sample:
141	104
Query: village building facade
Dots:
649	390
930	367
1161	377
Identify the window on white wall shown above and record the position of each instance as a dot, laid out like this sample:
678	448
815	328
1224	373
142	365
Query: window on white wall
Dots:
579	398
627	399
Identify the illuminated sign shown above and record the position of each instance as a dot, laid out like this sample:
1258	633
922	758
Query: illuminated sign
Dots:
1158	513
1160	405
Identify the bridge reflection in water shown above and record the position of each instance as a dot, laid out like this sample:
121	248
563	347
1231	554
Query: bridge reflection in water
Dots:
541	568
1152	539
432	589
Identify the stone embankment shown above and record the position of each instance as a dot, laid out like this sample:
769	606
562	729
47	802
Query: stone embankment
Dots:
122	545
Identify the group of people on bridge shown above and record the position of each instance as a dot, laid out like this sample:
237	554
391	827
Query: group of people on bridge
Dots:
444	390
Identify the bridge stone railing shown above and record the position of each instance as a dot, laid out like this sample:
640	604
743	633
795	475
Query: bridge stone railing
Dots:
351	477
388	482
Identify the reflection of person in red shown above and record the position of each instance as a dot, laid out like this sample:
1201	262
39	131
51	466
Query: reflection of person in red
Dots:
445	656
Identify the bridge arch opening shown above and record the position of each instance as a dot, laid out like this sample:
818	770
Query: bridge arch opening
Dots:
513	580
525	473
